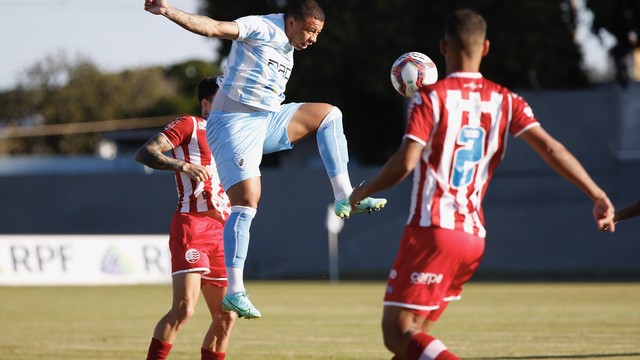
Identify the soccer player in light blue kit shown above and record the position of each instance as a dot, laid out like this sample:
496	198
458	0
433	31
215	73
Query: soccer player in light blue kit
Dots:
248	119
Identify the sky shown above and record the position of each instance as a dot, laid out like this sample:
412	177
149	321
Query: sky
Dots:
118	34
113	34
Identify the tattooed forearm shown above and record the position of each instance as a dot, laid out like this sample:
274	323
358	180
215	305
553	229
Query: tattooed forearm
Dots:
151	154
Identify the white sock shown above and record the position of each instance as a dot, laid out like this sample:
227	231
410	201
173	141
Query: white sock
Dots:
341	186
235	280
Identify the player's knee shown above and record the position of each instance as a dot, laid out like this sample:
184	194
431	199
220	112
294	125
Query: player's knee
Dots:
226	321
391	337
183	312
335	114
391	341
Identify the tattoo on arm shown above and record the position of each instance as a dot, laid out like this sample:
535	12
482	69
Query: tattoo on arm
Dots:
151	154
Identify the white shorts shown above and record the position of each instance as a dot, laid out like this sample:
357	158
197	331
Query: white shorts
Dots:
238	140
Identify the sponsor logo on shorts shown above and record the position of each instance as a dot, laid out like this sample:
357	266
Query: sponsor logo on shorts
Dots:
393	274
426	278
192	256
241	161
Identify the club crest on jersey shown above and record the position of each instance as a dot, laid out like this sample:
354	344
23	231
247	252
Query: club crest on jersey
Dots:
240	160
192	256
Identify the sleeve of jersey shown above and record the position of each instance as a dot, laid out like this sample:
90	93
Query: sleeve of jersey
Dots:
178	130
420	122
522	117
251	27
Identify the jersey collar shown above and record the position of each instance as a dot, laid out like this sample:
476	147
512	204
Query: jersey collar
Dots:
471	75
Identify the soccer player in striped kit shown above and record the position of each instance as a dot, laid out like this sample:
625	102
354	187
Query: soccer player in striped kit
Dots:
248	119
455	137
195	236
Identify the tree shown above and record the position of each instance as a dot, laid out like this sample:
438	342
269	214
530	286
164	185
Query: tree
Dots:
622	19
60	90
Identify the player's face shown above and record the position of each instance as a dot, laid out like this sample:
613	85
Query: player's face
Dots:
303	33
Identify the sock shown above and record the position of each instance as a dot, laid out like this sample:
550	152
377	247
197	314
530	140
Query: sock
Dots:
235	281
211	355
158	350
236	243
426	347
341	185
332	144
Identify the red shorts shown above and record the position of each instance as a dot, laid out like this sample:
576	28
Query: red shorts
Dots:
195	241
431	266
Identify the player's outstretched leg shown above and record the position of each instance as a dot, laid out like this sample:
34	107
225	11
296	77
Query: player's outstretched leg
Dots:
332	145
236	246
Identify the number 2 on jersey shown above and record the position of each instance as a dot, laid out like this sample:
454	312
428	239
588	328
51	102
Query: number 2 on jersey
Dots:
467	157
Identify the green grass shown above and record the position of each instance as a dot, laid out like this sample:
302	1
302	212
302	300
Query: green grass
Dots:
318	320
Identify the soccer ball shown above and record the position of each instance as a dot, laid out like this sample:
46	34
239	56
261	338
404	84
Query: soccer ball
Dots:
412	71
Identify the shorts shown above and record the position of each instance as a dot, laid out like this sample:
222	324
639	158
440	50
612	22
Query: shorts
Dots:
431	266
238	140
195	242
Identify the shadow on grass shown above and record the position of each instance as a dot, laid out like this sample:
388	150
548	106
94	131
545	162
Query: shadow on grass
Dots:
533	357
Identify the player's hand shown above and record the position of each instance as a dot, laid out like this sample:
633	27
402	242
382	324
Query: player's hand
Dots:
603	213
196	172
158	7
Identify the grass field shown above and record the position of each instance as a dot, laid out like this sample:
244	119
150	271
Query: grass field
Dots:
319	320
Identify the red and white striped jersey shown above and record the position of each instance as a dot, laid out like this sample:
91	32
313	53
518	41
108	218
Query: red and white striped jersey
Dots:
187	136
463	121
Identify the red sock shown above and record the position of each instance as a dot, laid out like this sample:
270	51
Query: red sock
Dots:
211	355
158	350
423	344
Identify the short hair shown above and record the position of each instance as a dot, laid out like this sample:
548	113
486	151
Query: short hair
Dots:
466	27
305	9
207	87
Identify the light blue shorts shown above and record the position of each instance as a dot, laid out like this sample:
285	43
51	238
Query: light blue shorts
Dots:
238	140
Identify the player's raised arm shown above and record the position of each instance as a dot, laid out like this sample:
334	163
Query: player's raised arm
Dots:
565	164
197	24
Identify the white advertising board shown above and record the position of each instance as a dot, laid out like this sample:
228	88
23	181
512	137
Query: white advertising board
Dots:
84	259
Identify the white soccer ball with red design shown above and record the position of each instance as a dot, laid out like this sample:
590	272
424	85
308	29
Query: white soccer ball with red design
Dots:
412	71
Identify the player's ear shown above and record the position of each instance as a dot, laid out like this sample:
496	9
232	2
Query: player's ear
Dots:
205	105
443	46
289	21
485	47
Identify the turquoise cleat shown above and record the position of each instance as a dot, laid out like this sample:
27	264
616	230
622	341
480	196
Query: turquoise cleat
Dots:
343	209
240	304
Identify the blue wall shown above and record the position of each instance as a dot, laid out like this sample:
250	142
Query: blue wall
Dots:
537	222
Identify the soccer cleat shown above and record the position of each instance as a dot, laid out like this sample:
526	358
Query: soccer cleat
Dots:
240	304
343	209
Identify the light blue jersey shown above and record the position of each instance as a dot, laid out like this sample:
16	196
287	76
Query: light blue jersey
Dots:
259	64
